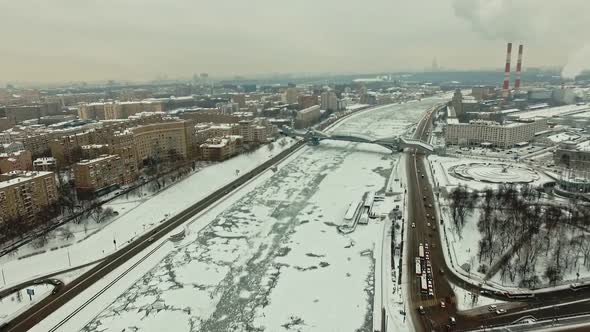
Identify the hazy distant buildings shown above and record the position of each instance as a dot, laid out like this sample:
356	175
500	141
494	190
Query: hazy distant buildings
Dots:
239	99
290	95
306	101
118	110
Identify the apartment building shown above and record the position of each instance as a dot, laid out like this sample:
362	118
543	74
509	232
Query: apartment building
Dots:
490	132
159	139
102	172
68	149
92	111
307	117
117	109
256	131
307	101
220	148
25	194
122	143
329	101
16	161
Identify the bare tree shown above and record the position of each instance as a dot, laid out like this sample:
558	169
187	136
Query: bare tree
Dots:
66	234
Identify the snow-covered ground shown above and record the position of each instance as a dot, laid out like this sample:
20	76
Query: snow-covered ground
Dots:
464	245
136	216
490	171
467	300
20	301
273	259
563	137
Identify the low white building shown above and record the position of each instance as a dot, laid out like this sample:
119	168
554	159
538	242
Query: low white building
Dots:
493	133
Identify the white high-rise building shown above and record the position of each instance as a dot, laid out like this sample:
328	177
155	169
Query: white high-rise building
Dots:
329	101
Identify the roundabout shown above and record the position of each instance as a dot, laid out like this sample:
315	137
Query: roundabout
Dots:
494	173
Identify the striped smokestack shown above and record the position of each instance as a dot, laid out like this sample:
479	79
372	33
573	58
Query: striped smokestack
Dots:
518	69
506	87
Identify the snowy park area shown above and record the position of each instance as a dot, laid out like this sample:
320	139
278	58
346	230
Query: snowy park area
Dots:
505	229
137	213
271	258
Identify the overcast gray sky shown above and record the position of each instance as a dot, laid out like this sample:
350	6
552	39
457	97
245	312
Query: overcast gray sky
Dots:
61	40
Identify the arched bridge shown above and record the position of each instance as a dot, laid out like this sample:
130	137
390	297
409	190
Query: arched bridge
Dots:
392	143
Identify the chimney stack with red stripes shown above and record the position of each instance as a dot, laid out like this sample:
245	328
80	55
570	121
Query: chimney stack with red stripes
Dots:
506	87
518	69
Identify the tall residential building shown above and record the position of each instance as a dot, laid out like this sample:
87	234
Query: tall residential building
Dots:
91	111
102	172
122	143
306	101
24	194
159	139
290	95
329	101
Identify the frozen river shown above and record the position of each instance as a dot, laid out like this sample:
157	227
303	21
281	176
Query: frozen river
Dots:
272	260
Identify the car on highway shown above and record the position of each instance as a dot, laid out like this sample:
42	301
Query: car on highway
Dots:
442	304
500	311
452	320
493	307
421	310
413	225
428	224
430	206
441	271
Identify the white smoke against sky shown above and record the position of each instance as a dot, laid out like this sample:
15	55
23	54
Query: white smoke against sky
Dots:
578	62
545	21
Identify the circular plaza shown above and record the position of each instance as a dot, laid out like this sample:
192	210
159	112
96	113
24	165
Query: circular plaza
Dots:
494	173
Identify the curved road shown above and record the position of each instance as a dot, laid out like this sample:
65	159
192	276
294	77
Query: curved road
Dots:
420	199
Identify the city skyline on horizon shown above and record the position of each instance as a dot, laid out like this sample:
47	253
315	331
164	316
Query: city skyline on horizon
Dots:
101	41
